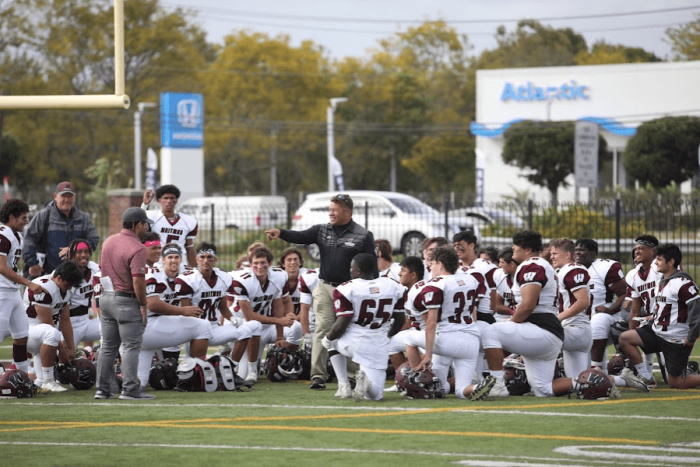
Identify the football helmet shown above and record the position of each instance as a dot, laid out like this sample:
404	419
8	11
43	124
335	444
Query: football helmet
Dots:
17	384
282	364
195	375
401	376
163	375
514	375
559	367
304	356
84	375
423	385
63	372
692	368
616	364
594	384
223	366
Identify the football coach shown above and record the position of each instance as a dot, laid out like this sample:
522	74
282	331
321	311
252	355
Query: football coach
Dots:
338	242
123	306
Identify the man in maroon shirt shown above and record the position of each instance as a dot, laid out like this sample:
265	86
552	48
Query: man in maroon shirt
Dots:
123	306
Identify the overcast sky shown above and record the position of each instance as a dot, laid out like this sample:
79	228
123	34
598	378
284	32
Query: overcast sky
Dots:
352	27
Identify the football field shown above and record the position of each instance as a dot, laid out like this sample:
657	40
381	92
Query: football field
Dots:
288	424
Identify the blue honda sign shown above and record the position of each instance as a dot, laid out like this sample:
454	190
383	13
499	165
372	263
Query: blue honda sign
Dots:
530	92
181	120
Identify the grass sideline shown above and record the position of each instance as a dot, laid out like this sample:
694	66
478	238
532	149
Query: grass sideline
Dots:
288	423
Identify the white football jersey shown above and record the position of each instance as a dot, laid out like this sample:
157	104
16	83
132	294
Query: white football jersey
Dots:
54	299
11	243
412	305
184	228
392	272
248	288
206	294
536	270
455	298
487	270
603	273
504	284
643	283
573	277
370	302
483	294
671	314
82	296
307	285
295	291
158	284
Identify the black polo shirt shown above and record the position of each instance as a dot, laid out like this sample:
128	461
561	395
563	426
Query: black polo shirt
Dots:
338	246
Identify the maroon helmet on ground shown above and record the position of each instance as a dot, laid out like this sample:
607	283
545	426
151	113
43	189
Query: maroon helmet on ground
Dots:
594	384
401	376
84	376
16	384
423	385
616	364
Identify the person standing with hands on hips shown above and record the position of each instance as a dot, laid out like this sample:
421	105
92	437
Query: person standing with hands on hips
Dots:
338	242
123	306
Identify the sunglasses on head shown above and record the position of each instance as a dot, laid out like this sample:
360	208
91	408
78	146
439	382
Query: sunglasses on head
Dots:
345	199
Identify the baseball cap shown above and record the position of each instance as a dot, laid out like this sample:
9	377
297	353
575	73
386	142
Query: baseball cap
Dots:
65	187
136	214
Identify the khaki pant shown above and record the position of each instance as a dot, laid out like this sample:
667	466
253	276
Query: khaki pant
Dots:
325	317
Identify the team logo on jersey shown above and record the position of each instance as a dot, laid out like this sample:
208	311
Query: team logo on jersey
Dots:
337	304
349	244
429	296
460	282
238	290
692	290
578	278
622	276
529	276
374	290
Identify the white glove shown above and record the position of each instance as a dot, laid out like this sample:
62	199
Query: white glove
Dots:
327	343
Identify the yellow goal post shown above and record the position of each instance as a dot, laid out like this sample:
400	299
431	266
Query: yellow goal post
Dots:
117	101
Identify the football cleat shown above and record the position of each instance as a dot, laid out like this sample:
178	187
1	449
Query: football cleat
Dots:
632	380
394	388
650	383
362	385
499	389
344	391
483	389
251	378
51	386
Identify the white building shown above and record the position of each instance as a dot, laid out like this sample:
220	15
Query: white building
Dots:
617	97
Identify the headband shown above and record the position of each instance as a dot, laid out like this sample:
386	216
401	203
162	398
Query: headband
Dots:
206	251
646	243
171	250
82	246
152	242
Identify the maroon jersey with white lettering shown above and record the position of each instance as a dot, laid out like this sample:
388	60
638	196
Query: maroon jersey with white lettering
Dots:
54	299
573	277
206	294
370	302
11	243
671	313
455	298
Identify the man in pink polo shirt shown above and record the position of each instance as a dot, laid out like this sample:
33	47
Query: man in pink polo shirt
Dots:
123	306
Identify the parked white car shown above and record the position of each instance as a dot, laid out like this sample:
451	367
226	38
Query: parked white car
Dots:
402	219
486	216
237	212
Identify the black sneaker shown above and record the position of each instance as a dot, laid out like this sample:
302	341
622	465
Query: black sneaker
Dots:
317	383
104	395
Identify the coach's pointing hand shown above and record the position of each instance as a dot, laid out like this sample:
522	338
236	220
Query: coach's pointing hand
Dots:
273	234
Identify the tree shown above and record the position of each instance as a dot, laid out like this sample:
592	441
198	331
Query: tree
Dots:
685	40
533	45
545	148
603	53
664	150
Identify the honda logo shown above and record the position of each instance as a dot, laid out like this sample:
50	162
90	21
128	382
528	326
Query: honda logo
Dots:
189	113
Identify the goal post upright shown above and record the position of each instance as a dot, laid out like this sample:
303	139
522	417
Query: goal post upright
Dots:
119	100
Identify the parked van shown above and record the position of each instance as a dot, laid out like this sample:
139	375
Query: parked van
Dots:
237	212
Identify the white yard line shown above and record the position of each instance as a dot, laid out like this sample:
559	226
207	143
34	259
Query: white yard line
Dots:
570	414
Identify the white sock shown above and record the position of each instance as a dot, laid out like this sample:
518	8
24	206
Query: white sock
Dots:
252	368
643	371
24	366
47	373
649	360
498	374
340	365
598	366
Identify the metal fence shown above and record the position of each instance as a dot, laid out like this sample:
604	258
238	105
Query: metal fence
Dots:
613	224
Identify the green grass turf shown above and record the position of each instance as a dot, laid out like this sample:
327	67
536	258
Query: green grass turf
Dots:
288	424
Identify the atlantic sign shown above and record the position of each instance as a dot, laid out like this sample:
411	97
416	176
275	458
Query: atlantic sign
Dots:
530	92
181	120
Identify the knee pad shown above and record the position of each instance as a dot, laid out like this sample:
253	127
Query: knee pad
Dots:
295	334
250	329
543	390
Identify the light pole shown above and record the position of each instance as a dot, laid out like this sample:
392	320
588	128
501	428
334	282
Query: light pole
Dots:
137	142
329	116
